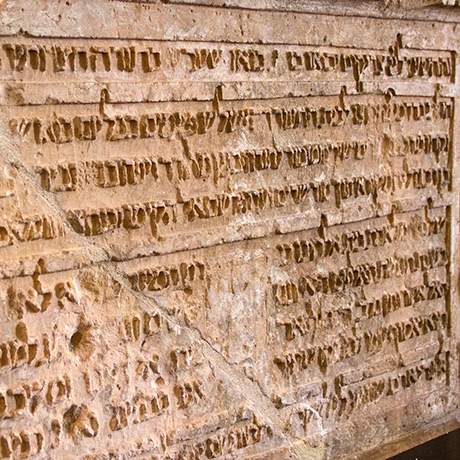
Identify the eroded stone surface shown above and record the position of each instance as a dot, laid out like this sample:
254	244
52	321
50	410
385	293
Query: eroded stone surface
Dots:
228	229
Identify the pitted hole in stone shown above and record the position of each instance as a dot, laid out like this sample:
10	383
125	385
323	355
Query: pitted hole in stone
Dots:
82	342
80	421
76	339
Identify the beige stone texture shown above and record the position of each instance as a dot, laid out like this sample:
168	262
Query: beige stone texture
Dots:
228	228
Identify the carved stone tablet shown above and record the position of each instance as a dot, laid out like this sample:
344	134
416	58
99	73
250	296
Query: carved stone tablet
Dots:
228	229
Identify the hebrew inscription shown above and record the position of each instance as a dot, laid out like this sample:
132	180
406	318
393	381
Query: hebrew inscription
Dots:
226	232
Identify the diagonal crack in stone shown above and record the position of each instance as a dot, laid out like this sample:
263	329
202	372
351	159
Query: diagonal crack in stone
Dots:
98	257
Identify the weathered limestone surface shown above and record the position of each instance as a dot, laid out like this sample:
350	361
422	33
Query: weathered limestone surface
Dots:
228	228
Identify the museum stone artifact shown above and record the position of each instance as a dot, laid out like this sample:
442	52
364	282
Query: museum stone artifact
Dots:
228	228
